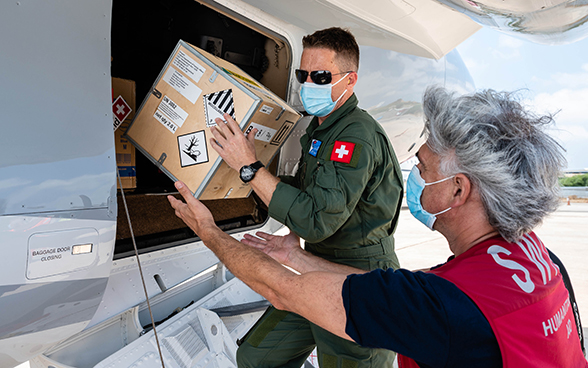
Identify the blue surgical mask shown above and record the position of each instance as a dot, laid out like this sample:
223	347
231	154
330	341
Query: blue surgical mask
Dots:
415	185
316	98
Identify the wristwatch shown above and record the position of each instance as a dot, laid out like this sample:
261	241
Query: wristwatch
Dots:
247	172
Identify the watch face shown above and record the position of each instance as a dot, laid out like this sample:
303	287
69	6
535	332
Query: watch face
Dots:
247	173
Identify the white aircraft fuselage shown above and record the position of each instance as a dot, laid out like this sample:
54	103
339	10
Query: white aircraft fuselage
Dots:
70	288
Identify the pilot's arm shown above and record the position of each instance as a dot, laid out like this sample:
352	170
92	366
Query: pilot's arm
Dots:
322	208
330	195
314	295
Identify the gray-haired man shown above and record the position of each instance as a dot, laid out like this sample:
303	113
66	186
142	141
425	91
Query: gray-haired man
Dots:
487	176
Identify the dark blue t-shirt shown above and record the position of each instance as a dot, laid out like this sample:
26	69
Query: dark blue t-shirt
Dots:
419	315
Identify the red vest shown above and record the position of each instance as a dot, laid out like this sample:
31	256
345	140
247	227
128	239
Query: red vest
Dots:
522	295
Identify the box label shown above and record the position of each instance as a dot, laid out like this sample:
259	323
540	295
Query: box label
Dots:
192	148
266	109
182	84
172	111
165	122
189	66
120	111
216	104
264	133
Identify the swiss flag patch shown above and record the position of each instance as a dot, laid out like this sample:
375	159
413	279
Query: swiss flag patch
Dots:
342	152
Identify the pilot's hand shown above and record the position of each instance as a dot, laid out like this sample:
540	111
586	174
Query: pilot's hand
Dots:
193	212
280	248
231	144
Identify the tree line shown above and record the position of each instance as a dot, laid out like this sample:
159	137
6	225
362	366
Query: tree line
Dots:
574	181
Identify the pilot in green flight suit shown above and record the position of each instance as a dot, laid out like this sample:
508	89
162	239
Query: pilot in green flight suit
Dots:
346	212
345	198
344	201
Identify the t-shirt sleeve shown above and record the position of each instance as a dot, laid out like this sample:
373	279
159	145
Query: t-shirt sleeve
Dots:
419	315
397	310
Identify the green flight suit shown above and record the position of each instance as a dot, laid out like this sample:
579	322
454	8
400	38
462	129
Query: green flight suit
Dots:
344	201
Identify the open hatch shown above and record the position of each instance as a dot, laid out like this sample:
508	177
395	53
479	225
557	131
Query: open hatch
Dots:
142	41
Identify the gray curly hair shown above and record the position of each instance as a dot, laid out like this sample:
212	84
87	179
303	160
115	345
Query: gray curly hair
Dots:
504	151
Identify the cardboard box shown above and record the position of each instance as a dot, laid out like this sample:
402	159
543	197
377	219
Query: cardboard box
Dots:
123	111
172	126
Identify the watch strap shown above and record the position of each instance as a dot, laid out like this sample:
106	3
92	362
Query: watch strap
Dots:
256	165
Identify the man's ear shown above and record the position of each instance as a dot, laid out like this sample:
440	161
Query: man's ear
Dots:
462	190
351	79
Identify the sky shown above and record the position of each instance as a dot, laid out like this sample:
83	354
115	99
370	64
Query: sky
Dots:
551	79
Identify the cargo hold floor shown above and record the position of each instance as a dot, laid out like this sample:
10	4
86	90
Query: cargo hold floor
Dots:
155	223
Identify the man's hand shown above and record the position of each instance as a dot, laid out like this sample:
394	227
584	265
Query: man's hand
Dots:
278	247
193	212
231	144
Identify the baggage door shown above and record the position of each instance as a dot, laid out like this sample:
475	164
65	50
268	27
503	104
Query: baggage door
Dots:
57	171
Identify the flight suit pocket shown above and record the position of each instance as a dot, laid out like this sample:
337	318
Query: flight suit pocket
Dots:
329	195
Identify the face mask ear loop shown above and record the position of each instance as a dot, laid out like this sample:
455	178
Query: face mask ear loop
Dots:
439	181
337	100
438	213
345	91
337	82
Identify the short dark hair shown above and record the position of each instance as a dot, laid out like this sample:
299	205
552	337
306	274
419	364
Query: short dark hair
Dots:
339	40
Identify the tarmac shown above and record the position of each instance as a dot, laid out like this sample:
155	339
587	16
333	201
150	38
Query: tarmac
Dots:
565	233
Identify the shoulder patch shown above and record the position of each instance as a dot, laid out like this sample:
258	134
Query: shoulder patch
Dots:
346	152
342	151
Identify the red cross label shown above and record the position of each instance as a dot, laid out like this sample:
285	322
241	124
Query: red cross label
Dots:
342	152
120	109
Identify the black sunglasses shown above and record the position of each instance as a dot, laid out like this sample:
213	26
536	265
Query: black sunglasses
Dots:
317	76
